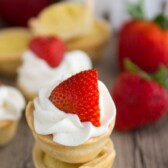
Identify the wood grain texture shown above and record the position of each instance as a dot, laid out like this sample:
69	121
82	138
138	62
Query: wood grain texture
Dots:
143	148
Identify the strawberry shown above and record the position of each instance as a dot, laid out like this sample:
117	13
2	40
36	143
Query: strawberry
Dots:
139	99
144	42
51	49
79	95
18	12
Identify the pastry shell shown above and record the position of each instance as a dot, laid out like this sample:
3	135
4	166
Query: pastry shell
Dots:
94	44
77	154
105	159
11	60
7	131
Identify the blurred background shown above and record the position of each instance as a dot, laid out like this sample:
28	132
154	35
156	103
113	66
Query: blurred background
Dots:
141	145
17	12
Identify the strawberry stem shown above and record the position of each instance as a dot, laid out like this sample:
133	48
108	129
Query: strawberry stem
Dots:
136	11
130	66
162	21
161	76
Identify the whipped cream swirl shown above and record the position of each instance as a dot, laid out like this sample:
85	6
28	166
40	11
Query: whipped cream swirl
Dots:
67	129
35	73
11	103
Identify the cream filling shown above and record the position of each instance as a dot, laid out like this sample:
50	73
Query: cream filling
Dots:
67	129
35	73
12	103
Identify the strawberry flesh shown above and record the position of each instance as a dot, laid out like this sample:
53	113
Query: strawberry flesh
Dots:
79	95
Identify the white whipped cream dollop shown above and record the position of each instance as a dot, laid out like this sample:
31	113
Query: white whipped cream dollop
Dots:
35	73
12	103
67	129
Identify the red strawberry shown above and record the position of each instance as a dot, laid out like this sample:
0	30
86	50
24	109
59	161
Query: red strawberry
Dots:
144	42
51	49
139	101
79	95
18	12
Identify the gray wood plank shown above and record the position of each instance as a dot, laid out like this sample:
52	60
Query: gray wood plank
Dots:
151	142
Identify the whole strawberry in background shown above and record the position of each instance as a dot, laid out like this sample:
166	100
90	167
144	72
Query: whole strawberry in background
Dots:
144	42
18	12
140	98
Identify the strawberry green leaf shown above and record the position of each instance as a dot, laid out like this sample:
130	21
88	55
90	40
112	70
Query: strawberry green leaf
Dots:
161	76
136	11
162	21
130	66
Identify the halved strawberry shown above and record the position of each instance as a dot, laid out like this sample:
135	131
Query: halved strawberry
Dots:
49	48
79	95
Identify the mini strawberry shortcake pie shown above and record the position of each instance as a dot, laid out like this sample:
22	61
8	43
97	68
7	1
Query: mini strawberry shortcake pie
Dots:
72	122
13	42
46	61
11	105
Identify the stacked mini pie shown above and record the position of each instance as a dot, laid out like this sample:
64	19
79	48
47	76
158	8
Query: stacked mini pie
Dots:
72	121
104	159
71	114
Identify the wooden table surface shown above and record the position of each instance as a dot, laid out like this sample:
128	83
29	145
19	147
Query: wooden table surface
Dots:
143	148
